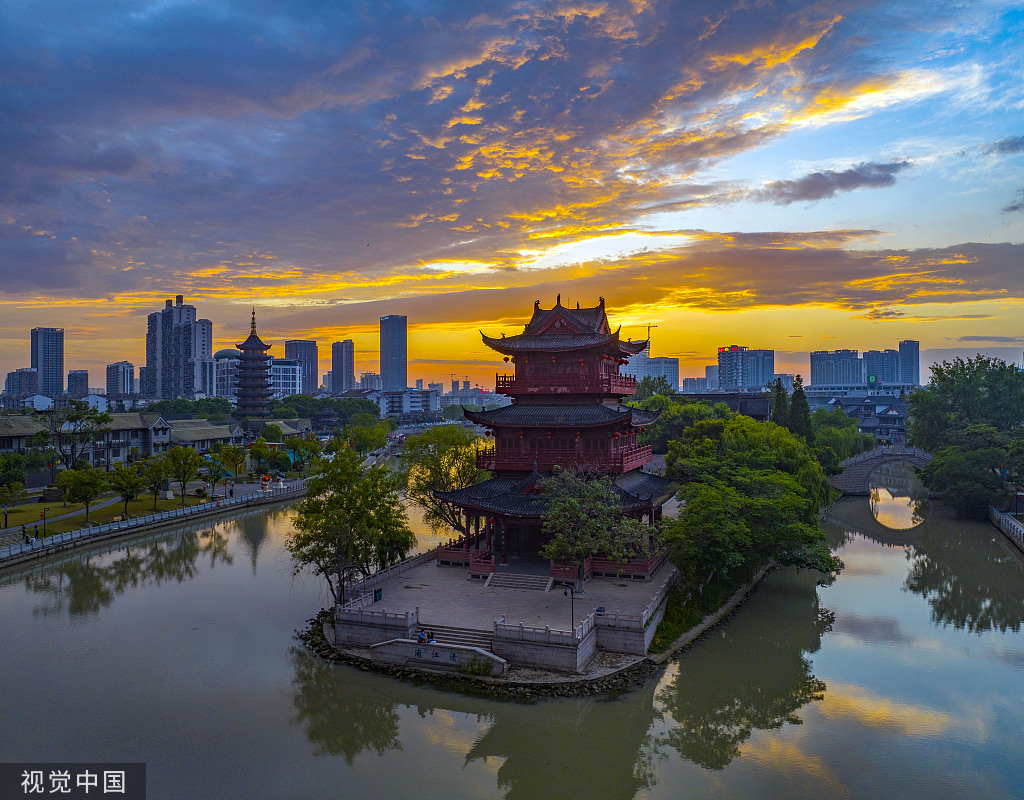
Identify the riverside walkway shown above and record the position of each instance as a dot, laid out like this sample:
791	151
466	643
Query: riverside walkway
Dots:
19	552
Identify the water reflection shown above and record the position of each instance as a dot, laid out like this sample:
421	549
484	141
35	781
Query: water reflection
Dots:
554	748
339	719
750	674
967	578
89	584
898	499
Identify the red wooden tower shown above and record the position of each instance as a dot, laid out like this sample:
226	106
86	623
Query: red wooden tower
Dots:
566	411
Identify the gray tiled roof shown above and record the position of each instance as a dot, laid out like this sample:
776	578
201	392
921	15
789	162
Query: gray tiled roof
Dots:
511	496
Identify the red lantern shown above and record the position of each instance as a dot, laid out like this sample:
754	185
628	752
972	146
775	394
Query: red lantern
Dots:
582	362
521	434
643	430
550	435
552	359
578	434
615	436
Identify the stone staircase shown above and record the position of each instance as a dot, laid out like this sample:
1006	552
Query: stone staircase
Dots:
515	580
467	637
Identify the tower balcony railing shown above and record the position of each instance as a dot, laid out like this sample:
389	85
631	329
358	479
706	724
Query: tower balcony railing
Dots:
565	384
620	460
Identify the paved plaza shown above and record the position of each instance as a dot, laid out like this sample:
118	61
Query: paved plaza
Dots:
447	596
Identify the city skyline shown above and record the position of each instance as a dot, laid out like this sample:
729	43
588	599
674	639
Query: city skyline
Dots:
798	178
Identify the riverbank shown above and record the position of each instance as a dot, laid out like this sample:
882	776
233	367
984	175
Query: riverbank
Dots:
608	674
20	553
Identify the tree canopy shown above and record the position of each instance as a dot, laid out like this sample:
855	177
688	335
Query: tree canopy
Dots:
349	518
82	486
752	492
583	518
971	418
71	430
441	459
651	386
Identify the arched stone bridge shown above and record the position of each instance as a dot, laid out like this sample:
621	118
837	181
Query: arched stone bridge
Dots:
854	477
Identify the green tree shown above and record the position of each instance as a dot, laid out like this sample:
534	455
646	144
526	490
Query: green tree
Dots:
651	386
800	412
583	518
155	472
216	471
82	486
12	468
183	464
11	494
233	457
971	417
453	412
780	403
349	519
978	391
272	433
259	452
127	482
366	439
304	451
72	430
752	492
441	459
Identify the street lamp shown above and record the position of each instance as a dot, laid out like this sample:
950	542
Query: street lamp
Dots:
569	590
45	510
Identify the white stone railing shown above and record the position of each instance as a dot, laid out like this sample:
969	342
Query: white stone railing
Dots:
1009	525
546	635
83	535
408	619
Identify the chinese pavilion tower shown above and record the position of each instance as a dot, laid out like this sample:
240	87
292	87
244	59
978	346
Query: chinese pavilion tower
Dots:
566	412
253	387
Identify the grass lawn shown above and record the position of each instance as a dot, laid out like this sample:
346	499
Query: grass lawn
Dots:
28	513
682	615
136	508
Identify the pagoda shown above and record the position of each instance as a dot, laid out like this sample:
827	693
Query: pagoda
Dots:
566	412
253	387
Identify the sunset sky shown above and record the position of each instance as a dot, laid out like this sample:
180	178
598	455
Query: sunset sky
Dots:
787	175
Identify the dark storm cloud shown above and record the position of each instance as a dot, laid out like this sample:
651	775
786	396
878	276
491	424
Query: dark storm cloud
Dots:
178	135
1018	205
1007	146
206	147
825	184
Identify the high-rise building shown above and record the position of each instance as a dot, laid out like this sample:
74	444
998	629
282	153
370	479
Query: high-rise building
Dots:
836	368
642	365
78	382
910	362
305	351
419	384
226	363
286	376
48	359
253	387
881	366
120	378
22	382
742	368
179	353
393	351
343	366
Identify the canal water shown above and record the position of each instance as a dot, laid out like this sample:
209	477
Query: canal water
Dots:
904	678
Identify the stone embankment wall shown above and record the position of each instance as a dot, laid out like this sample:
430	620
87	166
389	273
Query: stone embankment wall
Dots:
558	657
